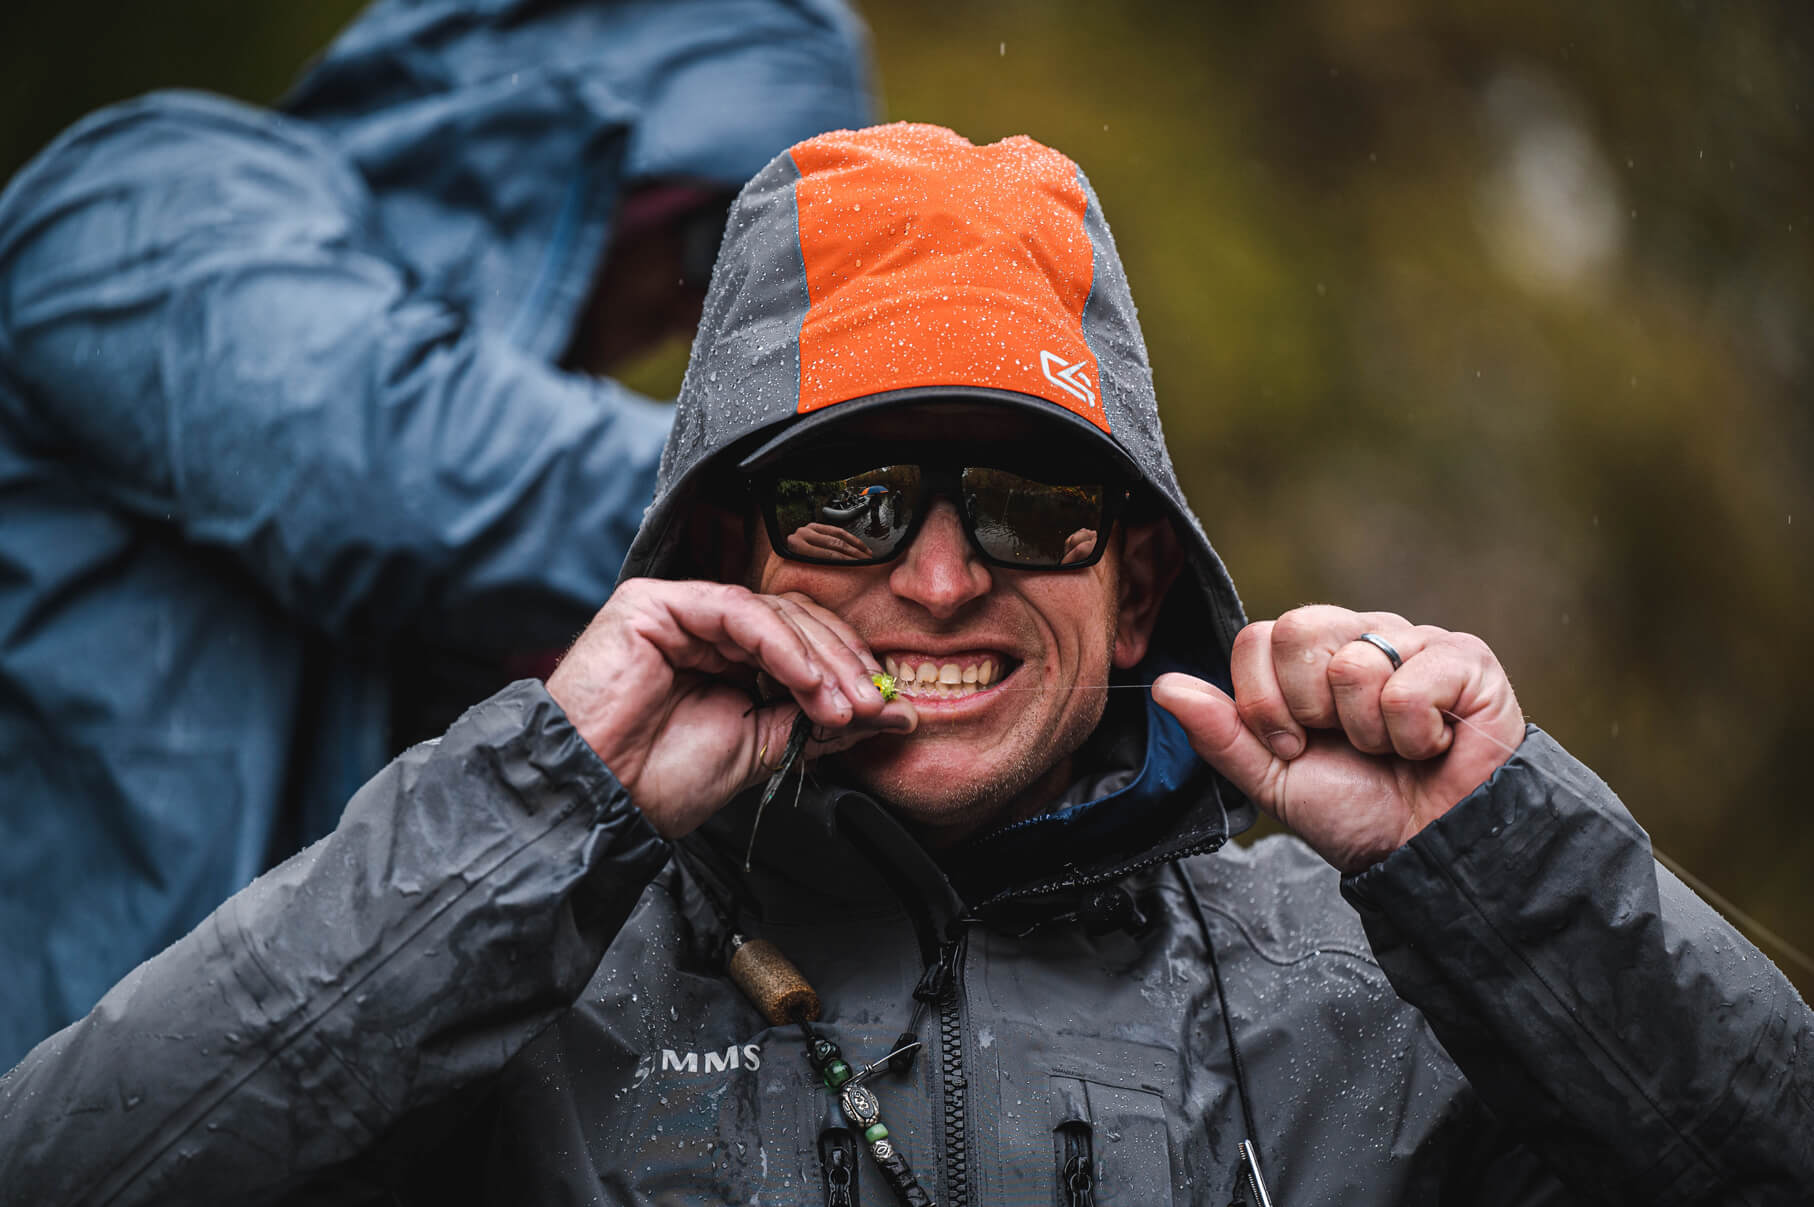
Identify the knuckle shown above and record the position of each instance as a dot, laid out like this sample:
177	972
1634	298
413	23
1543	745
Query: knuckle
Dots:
1296	626
1315	713
633	595
1318	616
1397	700
1255	636
1349	667
1256	711
1474	647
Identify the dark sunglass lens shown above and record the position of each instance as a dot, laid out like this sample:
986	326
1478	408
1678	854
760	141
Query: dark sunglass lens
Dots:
1033	523
860	518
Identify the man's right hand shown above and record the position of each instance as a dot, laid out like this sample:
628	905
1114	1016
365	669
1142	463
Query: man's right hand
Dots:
660	686
819	539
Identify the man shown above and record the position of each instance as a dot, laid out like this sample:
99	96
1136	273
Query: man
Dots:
520	970
297	421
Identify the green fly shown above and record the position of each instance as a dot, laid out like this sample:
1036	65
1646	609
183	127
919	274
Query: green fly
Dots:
790	754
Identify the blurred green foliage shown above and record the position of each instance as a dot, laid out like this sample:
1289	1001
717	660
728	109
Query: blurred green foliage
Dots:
1495	315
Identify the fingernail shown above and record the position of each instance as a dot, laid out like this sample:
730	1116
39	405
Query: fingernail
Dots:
1285	744
1181	682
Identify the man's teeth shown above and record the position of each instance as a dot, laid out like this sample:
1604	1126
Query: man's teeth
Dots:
948	680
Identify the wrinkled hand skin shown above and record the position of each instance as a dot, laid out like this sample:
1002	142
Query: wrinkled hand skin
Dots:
659	685
1324	735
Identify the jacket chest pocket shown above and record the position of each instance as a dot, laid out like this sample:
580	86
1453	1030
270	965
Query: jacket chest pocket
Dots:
1110	1145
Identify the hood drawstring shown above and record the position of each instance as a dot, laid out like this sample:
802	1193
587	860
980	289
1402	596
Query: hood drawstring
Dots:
1250	1188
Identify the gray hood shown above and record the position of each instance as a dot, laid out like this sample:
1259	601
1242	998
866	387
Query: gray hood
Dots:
901	265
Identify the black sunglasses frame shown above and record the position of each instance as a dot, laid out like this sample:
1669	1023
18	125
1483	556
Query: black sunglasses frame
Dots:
936	479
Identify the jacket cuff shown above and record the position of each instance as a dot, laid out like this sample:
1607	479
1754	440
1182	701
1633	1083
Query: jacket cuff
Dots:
1505	828
1594	1003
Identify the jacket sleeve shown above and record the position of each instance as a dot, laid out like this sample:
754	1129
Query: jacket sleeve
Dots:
1613	1021
207	328
460	907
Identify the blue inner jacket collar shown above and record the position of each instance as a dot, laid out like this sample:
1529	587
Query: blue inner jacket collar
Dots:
1131	823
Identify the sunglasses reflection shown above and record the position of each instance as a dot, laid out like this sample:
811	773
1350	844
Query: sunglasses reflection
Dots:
1011	520
1078	546
825	541
829	542
854	525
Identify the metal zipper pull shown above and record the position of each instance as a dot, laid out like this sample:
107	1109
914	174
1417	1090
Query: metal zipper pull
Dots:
1077	1171
1250	1187
940	974
838	1163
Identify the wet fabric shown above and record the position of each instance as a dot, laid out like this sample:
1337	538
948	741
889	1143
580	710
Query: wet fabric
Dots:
494	983
277	388
866	269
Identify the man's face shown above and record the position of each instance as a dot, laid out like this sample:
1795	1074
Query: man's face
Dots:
1030	651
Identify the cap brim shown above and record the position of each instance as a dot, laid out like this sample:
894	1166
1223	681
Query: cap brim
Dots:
982	410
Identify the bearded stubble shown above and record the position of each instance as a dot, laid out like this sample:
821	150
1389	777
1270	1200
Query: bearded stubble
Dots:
1022	787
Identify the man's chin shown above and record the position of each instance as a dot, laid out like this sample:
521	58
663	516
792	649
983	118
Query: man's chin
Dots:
947	800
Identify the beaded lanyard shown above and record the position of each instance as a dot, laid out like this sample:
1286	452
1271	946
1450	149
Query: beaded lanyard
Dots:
776	988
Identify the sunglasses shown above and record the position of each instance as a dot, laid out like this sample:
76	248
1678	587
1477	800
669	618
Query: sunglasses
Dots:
1055	521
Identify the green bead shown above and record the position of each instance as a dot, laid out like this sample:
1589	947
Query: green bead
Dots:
874	1132
836	1074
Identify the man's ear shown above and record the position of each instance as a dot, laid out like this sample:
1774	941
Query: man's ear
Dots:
1150	558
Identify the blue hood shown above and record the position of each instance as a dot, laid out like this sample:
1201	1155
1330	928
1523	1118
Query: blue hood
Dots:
498	182
279	396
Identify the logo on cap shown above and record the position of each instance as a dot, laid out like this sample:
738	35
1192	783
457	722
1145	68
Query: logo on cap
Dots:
1069	378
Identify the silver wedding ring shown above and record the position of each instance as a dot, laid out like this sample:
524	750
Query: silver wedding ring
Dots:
1383	646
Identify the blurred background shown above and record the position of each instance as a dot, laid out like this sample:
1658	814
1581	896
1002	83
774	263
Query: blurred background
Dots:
1499	315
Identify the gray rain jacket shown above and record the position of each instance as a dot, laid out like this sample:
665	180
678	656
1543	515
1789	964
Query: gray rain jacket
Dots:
494	983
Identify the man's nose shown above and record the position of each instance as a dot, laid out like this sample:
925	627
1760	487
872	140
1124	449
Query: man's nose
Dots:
940	571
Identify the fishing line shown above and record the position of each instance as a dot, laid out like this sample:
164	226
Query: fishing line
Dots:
1720	902
1745	921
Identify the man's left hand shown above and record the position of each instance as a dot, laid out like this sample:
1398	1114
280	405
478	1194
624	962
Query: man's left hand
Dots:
1326	735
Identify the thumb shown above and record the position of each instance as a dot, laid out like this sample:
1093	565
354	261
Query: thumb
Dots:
1216	730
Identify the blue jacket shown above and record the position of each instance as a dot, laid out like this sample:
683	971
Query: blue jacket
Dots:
277	388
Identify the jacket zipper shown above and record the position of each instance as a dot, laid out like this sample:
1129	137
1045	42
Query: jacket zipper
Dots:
942	985
838	1163
1205	847
1077	1172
